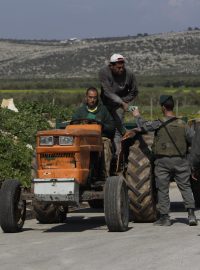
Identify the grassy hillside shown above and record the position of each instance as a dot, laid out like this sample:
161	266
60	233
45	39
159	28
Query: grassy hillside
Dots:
161	54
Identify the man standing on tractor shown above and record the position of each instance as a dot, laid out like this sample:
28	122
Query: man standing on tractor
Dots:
118	89
172	136
94	109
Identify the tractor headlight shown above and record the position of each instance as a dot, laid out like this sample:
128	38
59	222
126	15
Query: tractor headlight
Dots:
66	140
46	140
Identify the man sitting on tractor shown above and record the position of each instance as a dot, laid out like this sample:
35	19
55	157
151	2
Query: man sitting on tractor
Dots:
94	109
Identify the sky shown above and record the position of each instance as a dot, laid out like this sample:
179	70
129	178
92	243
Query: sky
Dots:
63	19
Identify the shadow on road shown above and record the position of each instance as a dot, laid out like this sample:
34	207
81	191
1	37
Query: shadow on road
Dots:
177	207
82	222
78	220
88	210
84	219
79	224
180	220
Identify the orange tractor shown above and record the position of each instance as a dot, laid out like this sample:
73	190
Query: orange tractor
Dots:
70	167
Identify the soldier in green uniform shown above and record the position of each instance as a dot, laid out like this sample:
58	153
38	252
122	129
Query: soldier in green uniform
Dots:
172	136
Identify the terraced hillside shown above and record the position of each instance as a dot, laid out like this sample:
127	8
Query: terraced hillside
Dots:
167	53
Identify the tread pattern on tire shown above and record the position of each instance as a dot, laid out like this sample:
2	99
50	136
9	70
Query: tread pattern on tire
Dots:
139	180
10	193
112	206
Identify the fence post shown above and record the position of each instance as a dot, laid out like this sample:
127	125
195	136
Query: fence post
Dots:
151	109
177	108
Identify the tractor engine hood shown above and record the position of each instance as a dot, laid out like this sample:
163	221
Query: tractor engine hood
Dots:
74	130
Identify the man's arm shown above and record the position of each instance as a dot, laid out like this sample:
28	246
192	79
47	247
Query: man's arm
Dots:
133	90
147	125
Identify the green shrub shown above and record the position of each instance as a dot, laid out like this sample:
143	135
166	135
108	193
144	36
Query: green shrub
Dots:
15	159
18	133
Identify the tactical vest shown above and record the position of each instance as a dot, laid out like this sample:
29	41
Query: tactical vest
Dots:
170	139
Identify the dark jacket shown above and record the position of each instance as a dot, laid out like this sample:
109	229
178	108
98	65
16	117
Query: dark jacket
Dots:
101	114
195	151
117	89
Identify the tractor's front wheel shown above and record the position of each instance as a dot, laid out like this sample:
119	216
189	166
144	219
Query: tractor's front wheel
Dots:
116	204
12	208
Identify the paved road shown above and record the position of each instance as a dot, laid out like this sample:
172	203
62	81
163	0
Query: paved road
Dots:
84	243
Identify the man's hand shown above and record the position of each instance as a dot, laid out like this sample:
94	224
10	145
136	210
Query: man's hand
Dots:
130	133
136	113
125	106
195	175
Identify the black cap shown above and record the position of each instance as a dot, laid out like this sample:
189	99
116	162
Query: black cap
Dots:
164	98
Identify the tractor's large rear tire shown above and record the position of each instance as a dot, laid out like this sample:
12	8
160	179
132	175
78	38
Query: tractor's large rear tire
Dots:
140	180
12	208
116	204
48	213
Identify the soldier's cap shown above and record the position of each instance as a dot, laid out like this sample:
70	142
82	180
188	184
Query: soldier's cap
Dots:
117	58
164	98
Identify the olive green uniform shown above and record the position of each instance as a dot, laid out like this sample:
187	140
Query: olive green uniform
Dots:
172	137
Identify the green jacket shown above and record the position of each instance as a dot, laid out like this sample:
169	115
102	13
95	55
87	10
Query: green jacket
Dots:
101	114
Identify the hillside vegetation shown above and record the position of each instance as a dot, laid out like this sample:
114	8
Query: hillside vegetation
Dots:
161	54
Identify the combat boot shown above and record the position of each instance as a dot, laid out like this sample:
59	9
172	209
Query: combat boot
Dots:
164	220
191	217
